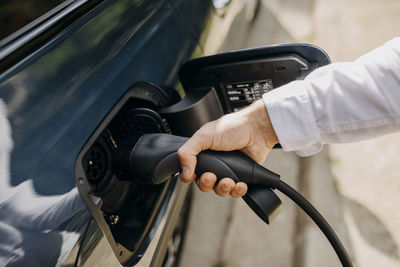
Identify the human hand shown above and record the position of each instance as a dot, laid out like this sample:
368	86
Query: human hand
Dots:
249	130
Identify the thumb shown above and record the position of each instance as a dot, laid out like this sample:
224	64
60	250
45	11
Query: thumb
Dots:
187	156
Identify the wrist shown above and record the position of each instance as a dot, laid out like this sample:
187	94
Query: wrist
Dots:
257	113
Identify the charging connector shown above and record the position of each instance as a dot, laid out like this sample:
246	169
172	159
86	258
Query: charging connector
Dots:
154	159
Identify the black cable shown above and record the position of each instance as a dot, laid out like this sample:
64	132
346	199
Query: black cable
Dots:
319	220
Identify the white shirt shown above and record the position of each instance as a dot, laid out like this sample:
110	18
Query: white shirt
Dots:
340	102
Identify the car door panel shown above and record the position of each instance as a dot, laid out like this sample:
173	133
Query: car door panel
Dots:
58	94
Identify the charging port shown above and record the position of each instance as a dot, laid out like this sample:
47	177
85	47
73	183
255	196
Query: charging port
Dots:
106	178
125	210
96	164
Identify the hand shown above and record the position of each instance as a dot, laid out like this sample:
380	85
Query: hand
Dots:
249	130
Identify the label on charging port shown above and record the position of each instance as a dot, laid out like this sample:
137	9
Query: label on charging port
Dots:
240	95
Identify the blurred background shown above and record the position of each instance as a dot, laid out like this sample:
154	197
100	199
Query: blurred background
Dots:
355	186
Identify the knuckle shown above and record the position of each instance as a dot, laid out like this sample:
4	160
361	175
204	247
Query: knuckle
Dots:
206	125
181	152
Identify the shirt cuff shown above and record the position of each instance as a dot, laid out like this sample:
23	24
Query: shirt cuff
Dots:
293	120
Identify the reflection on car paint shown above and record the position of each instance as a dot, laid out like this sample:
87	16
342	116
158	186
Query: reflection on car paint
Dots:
28	220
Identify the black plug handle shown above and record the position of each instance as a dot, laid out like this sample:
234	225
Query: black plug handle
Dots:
154	159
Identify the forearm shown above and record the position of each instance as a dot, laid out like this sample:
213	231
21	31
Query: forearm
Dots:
342	102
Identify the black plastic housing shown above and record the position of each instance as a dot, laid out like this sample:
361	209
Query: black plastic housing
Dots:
278	64
196	108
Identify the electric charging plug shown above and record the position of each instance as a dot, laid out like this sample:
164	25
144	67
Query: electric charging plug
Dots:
154	159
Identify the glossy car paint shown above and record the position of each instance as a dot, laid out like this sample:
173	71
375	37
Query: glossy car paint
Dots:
58	93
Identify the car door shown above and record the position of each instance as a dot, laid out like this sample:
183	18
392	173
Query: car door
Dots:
60	76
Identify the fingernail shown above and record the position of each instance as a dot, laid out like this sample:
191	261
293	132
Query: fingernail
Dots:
185	172
225	187
206	182
240	190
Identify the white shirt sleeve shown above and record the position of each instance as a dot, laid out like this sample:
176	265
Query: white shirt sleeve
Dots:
340	102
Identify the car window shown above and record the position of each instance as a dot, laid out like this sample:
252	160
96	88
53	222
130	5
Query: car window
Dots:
15	14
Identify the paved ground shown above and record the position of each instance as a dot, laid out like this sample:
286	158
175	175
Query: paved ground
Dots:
366	173
356	186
